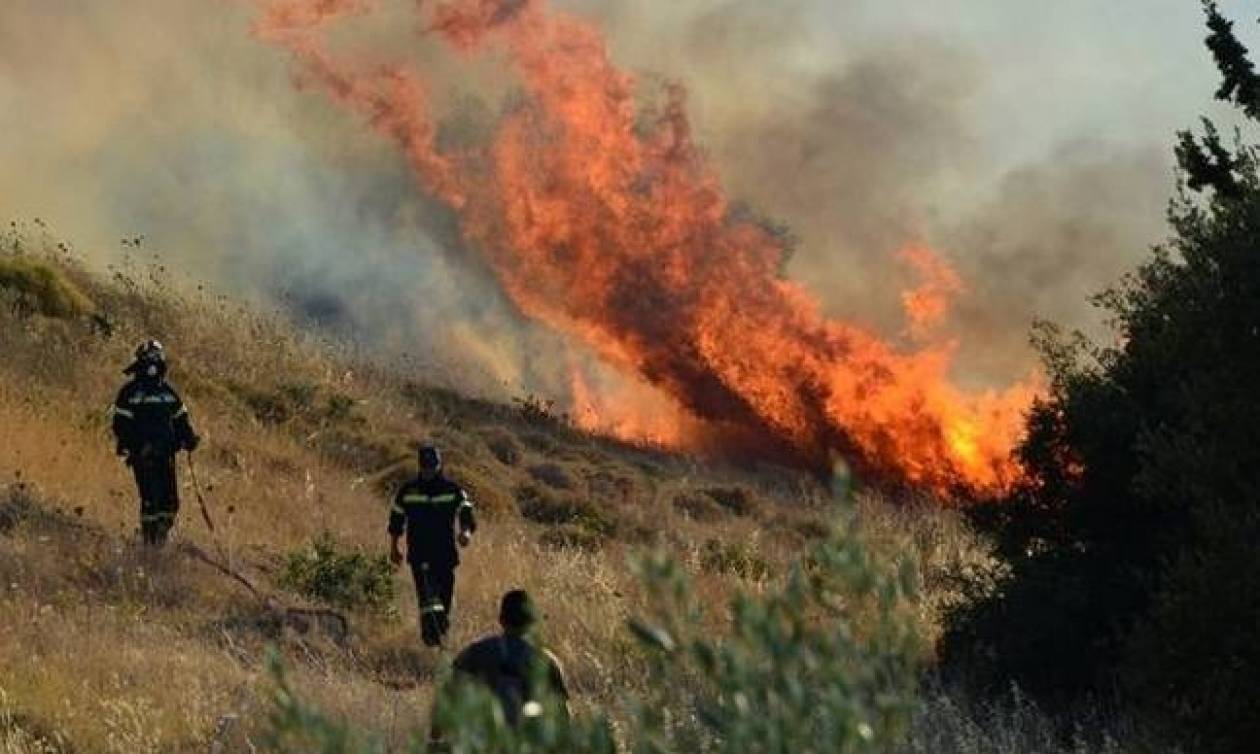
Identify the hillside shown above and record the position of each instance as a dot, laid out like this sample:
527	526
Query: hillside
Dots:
106	647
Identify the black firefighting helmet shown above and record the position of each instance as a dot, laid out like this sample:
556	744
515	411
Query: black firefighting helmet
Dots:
430	458
150	360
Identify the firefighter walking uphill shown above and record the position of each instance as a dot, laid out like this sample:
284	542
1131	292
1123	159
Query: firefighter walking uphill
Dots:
437	517
151	426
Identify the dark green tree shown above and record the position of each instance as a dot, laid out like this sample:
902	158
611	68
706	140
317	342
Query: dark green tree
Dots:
1131	553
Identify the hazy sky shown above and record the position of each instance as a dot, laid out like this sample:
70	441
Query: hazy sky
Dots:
1103	68
1043	69
1028	140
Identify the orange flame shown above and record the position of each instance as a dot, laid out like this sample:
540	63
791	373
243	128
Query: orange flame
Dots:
927	305
627	414
619	233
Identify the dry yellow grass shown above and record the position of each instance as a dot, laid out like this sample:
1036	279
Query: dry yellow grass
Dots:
103	648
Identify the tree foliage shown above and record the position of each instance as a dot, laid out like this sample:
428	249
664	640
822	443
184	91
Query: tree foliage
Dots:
1138	521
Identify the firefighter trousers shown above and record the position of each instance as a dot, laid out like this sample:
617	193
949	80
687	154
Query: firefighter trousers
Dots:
435	589
159	497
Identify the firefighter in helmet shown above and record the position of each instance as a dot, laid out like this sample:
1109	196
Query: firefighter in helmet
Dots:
524	676
151	425
437	517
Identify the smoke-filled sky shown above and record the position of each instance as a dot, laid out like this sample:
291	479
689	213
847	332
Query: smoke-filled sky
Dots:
1029	142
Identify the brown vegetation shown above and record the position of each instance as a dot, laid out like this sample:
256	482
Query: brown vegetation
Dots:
104	647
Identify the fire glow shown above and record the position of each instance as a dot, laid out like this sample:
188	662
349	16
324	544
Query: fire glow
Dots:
605	222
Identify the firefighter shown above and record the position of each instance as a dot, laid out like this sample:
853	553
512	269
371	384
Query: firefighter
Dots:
151	426
521	674
524	677
438	519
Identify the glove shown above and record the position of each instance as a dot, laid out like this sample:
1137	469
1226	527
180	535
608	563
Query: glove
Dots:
465	537
121	450
191	443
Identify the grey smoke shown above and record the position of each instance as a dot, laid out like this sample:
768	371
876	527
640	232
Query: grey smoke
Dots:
1028	141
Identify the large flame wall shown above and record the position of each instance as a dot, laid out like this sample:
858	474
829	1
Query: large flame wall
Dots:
602	219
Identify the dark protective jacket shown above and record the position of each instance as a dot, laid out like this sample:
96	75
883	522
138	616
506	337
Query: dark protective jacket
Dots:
427	510
515	670
151	421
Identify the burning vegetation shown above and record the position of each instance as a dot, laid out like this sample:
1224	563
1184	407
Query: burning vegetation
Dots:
601	218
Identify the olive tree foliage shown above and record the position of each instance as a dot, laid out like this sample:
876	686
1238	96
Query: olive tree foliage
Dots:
825	663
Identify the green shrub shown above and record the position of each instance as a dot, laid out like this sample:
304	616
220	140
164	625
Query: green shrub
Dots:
344	578
42	288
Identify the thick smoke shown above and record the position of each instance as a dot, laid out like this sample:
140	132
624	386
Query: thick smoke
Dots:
166	118
1050	235
1029	143
1039	171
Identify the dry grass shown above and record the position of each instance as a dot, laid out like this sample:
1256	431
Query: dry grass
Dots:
947	722
35	285
935	541
104	648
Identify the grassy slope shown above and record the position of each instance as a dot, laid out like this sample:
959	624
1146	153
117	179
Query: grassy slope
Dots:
106	648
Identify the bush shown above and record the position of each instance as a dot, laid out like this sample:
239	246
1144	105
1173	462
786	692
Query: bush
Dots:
544	506
349	579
